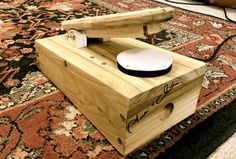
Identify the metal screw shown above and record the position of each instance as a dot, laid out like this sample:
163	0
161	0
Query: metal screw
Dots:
71	35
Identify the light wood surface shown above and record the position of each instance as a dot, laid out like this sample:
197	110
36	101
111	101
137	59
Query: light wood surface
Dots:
159	118
120	20
131	32
112	100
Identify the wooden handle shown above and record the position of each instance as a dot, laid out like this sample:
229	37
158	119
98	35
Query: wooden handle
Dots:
121	20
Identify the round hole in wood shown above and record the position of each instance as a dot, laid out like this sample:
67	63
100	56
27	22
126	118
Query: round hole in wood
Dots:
91	57
119	141
103	63
65	63
166	111
99	109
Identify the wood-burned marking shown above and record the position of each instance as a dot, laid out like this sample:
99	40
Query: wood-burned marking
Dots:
166	90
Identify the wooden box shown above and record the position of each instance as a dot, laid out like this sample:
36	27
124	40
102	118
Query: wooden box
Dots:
128	111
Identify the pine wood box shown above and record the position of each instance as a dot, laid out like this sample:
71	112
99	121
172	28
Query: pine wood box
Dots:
128	111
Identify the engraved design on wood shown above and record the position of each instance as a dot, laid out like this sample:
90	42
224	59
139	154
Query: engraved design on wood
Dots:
168	108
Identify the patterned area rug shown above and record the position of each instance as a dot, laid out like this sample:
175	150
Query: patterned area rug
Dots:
36	119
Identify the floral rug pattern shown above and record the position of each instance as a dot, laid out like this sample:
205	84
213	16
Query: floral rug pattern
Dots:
57	129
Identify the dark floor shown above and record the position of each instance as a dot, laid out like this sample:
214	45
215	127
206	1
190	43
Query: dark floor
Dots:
202	140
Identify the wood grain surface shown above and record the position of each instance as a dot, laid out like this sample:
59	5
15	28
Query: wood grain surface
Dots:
121	20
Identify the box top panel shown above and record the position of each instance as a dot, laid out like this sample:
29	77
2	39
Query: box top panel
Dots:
99	61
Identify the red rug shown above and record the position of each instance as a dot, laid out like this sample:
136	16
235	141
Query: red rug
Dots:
37	121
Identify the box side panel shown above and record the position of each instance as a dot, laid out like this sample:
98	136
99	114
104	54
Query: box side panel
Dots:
166	111
103	106
157	93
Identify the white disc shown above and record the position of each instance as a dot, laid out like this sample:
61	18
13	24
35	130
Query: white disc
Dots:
140	59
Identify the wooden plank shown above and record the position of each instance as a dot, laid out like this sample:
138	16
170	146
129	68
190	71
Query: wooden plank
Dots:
120	20
131	32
